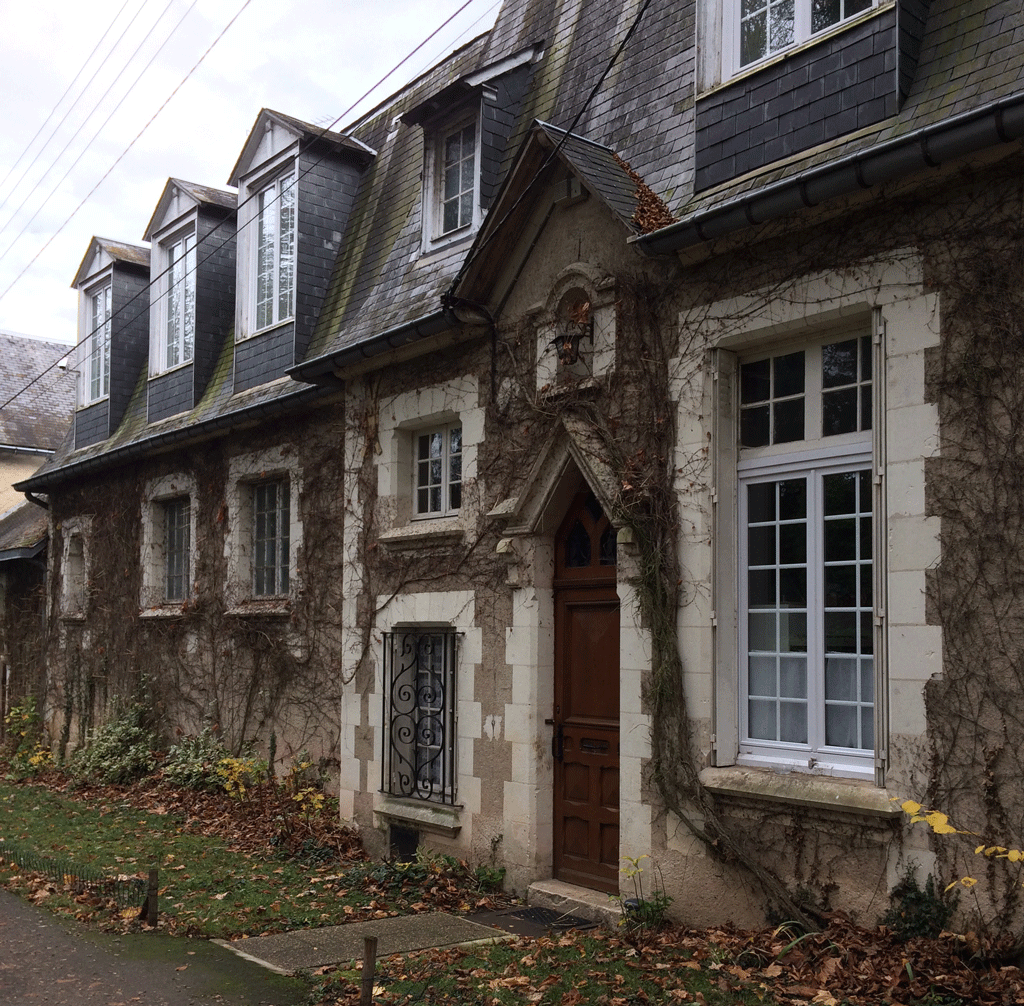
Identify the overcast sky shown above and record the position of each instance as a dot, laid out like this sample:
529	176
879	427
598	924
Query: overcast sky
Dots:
309	58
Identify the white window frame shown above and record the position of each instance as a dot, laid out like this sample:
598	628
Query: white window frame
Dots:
94	342
732	18
159	495
434	475
435	235
813	457
267	203
171	347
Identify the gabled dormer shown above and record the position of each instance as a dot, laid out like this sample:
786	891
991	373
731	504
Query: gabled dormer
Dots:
466	127
296	187
113	334
776	77
192	299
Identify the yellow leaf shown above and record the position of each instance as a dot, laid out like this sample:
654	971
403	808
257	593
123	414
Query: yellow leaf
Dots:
968	881
1015	856
910	806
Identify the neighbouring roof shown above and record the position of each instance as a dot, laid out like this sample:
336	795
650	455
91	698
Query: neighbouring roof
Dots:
23	532
37	396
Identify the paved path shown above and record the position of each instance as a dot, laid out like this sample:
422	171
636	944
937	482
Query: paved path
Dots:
47	962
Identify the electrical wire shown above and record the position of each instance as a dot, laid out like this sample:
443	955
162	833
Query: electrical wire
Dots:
67	91
113	111
87	337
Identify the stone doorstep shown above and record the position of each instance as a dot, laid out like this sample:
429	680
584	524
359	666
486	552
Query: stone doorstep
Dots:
572	900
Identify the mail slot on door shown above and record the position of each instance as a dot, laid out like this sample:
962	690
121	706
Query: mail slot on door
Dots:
593	746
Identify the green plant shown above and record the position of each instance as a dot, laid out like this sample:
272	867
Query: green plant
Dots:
120	752
646	911
27	752
193	761
916	910
240	775
490	879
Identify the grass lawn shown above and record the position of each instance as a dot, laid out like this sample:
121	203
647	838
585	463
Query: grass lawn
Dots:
231	868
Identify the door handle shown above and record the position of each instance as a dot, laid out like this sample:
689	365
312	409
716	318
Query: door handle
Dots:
558	743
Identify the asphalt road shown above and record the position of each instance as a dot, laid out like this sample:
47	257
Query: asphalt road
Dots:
46	960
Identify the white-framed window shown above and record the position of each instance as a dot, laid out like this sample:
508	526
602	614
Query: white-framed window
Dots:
452	181
271	538
805	542
177	521
437	473
274	252
177	324
420	713
96	354
756	30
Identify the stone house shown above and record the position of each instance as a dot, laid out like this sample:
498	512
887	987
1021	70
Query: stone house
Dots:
607	447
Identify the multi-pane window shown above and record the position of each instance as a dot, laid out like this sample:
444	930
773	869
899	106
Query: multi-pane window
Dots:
275	252
806	546
458	179
98	347
419	714
180	310
271	523
177	549
769	26
437	486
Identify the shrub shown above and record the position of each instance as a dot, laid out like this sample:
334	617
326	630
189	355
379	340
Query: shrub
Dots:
26	749
120	752
918	911
193	762
239	775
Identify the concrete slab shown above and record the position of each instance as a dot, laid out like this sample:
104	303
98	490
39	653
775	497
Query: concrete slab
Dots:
573	900
404	934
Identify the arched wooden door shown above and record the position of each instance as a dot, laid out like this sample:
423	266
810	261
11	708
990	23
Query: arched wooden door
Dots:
586	710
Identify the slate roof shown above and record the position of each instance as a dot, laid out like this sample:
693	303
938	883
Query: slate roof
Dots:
23	532
37	397
383	288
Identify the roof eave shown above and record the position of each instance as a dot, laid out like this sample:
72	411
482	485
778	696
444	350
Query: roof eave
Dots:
928	147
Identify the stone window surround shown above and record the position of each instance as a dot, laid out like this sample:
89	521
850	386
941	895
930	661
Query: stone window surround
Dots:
455	610
906	320
153	602
75	561
400	418
245	470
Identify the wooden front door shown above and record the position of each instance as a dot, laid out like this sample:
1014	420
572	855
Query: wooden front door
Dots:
586	711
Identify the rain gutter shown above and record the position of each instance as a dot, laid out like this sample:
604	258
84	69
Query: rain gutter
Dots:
168	439
316	370
930	146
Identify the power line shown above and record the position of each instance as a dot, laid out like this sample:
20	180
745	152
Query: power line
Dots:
156	279
113	111
67	91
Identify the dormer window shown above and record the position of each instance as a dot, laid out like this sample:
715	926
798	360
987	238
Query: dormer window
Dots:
97	354
179	321
451	196
766	27
275	252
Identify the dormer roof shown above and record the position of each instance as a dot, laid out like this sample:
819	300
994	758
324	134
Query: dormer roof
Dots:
103	252
180	197
274	131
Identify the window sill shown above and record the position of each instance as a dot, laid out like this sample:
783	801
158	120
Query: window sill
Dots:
266	329
277	608
73	617
425	533
799	789
165	610
170	370
444	819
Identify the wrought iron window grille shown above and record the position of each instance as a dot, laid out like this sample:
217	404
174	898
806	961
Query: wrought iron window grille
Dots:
420	714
